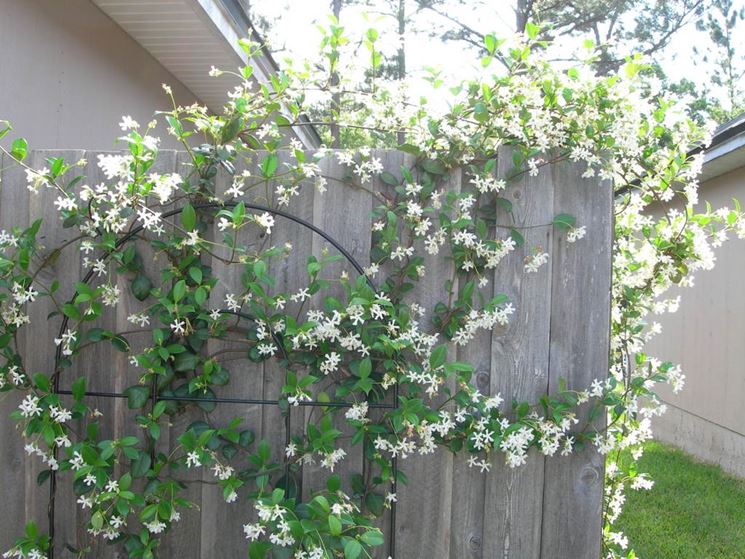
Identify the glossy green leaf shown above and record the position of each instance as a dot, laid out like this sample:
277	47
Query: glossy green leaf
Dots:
137	396
19	148
188	217
141	287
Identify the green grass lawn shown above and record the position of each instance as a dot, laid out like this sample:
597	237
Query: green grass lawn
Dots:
694	510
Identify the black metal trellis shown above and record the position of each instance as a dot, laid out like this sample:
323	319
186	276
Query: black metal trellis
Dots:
243	401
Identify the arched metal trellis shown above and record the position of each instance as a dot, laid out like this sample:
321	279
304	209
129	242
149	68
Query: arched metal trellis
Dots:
155	397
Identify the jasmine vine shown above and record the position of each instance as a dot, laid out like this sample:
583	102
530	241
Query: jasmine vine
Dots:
365	340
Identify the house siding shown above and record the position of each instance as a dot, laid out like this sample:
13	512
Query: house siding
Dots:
68	73
707	337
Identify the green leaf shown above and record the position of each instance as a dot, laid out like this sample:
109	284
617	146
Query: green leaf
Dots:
334	525
410	148
375	503
279	494
259	268
185	361
522	409
19	148
78	389
333	484
564	222
43	476
352	549
517	237
264	451
125	482
532	29
96	334
195	274
258	550
141	287
434	167
246	438
120	344
141	465
269	165
365	368
71	311
438	356
137	396
505	204
456	367
188	217
57	166
32	531
41	381
179	290
490	42
373	537
389	179
208	406
159	409
230	130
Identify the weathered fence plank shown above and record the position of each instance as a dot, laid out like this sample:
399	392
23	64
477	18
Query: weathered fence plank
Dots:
580	314
65	266
424	515
14	211
546	509
342	209
191	522
519	366
393	162
98	364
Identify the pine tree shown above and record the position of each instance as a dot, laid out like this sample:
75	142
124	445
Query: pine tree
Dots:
726	64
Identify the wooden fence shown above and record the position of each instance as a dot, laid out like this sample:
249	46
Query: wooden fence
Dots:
549	509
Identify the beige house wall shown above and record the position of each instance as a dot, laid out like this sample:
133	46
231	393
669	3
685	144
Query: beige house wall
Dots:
68	73
707	337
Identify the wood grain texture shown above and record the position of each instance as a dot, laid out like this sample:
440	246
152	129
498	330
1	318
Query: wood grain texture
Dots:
580	325
344	212
14	211
547	509
424	513
221	523
173	543
98	364
392	162
290	273
519	365
65	266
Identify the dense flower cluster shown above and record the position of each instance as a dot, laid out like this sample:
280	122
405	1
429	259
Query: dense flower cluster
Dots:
361	340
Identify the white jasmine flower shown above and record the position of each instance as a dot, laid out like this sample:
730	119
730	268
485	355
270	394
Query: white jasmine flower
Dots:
535	261
178	327
576	233
266	220
128	123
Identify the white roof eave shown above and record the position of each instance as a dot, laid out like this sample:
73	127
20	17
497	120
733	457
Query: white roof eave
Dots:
724	157
188	37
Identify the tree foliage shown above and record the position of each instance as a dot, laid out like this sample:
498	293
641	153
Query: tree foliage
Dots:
726	65
618	27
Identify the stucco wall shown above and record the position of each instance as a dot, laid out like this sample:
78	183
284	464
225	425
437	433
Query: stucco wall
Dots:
68	73
707	337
